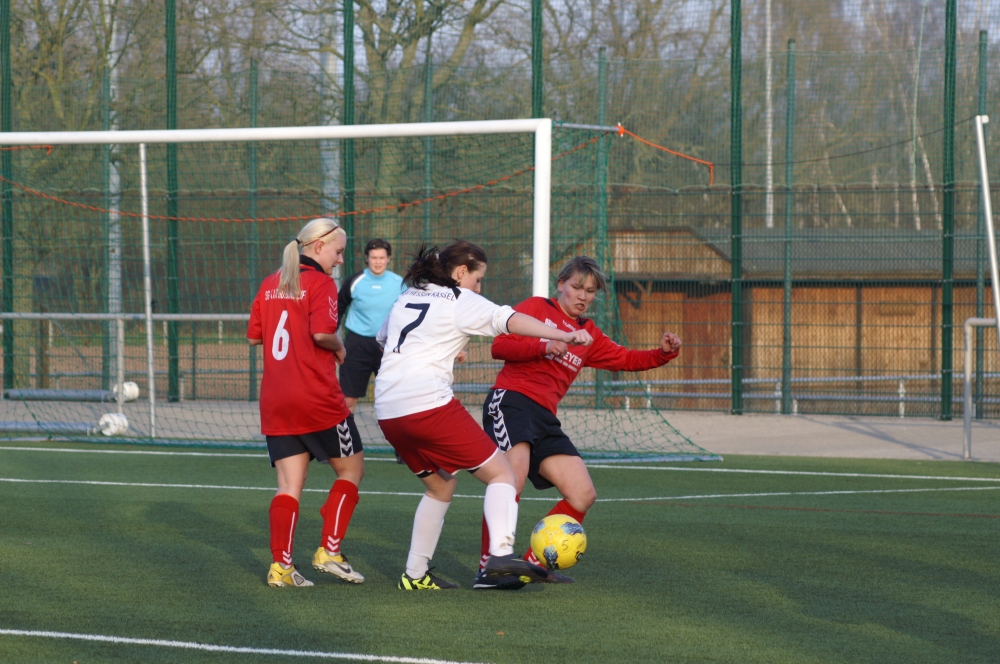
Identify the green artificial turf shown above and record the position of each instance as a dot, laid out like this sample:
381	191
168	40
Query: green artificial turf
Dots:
738	577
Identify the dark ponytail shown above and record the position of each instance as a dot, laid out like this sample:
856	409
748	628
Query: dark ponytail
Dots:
431	266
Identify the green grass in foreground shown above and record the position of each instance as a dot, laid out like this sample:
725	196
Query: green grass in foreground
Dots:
846	577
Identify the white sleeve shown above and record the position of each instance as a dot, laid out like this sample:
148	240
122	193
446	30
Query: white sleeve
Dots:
383	333
477	316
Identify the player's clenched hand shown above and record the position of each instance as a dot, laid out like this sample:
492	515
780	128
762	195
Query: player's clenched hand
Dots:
578	338
556	348
462	356
670	343
340	354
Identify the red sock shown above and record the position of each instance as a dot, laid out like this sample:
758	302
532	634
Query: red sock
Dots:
562	507
337	513
484	549
284	516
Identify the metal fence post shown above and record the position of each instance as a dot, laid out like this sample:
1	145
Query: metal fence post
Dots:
537	105
173	246
981	239
428	142
948	216
600	186
7	193
736	209
108	336
348	144
254	240
786	332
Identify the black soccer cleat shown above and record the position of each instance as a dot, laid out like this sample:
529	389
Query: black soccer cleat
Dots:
511	565
427	582
484	582
555	577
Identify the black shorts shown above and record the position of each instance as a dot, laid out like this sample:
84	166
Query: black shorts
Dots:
336	442
510	418
364	357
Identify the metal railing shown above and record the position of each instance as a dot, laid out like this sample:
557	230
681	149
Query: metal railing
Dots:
119	358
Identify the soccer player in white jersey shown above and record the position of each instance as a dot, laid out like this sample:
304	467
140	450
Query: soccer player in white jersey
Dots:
428	327
302	410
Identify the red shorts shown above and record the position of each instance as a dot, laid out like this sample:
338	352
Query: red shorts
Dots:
445	438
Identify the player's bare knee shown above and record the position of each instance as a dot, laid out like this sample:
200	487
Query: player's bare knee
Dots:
353	475
519	484
582	498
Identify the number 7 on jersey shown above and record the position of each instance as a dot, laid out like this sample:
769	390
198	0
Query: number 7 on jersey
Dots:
422	308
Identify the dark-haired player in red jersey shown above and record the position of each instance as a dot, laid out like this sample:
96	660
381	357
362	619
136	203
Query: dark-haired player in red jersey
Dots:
520	410
302	410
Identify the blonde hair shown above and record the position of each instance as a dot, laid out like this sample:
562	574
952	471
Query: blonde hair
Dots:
317	229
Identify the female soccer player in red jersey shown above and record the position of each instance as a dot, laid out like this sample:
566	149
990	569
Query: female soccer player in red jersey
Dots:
427	328
520	410
302	410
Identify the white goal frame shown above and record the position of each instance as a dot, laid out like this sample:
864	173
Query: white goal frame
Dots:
991	244
541	128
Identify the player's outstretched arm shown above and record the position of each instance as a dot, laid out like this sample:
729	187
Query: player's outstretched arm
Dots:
527	326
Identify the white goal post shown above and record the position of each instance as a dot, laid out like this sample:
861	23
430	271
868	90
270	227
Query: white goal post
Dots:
970	323
542	174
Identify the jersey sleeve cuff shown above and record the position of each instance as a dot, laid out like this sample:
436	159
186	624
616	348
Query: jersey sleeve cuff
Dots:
666	357
502	318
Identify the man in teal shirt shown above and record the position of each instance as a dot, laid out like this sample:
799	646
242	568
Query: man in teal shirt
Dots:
367	297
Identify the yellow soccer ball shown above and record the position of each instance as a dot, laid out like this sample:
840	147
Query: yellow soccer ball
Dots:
558	541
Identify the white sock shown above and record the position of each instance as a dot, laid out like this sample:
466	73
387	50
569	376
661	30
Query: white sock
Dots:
500	510
427	525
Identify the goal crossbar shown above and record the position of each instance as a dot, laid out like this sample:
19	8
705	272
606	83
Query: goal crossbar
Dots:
540	127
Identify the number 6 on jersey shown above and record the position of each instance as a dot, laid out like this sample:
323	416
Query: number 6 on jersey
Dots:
279	347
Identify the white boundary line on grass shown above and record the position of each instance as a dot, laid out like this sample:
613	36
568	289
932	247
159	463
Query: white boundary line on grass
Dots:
589	465
600	500
233	649
801	472
794	493
155	452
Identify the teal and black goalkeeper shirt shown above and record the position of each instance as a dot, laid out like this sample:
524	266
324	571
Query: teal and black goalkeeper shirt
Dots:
367	299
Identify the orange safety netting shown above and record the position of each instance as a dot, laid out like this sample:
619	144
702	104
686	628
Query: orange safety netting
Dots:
621	131
711	167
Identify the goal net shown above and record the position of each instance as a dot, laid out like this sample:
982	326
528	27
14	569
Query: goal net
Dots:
85	338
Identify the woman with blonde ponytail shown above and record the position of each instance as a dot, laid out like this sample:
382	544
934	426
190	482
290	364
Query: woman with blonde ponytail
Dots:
303	414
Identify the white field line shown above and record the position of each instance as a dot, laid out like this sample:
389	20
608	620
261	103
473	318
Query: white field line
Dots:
157	453
229	649
798	472
794	493
589	465
600	500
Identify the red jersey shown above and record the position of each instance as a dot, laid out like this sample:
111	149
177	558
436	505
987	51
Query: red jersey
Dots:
299	392
545	380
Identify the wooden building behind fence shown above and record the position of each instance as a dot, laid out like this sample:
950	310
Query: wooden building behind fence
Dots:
866	314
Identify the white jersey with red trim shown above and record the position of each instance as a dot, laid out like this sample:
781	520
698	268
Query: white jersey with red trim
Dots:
425	331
